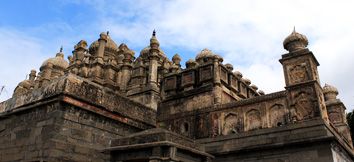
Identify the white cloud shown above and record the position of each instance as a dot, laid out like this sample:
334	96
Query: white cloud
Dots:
20	53
248	34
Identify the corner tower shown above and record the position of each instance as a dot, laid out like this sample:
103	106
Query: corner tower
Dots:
302	80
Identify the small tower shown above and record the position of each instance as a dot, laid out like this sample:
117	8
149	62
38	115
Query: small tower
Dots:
336	111
302	80
53	68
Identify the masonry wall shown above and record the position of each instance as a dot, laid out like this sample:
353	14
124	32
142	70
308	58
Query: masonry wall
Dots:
58	132
320	152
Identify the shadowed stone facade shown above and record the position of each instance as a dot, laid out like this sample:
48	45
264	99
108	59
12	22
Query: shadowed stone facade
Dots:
106	104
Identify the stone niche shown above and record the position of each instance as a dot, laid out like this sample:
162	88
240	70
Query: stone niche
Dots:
224	75
170	83
205	73
188	78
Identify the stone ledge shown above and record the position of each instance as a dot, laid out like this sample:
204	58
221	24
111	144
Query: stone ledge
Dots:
88	94
294	134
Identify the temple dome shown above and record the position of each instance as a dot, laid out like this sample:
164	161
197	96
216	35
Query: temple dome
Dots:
295	41
110	44
58	62
145	52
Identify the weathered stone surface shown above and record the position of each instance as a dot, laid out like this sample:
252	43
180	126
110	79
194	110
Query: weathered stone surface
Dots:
105	104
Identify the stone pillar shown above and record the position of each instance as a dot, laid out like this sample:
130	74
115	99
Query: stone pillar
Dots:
47	72
126	69
302	82
99	56
119	73
79	56
125	75
32	75
152	79
216	61
102	44
153	58
217	80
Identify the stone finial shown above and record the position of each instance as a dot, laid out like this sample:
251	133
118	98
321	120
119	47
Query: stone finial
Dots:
254	87
261	92
238	74
60	53
71	60
103	36
191	64
82	44
176	59
330	92
204	55
125	49
218	58
32	75
154	43
247	81
229	67
295	41
174	68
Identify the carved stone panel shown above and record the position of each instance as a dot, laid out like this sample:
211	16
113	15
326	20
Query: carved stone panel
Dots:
335	117
277	115
334	114
206	73
304	106
188	78
233	83
298	73
253	120
215	125
202	126
170	83
223	75
243	89
232	124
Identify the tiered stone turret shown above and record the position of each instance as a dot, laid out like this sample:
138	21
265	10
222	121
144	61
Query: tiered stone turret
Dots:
148	70
104	62
302	80
336	111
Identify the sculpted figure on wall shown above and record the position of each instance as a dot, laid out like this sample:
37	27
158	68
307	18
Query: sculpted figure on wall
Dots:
253	120
232	124
303	107
277	115
298	73
335	116
215	125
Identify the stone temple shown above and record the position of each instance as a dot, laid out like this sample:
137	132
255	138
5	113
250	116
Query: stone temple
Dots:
107	104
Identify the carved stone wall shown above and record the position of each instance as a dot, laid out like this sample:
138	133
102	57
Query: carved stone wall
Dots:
250	114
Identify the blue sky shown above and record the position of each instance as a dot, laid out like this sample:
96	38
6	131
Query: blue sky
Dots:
248	34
